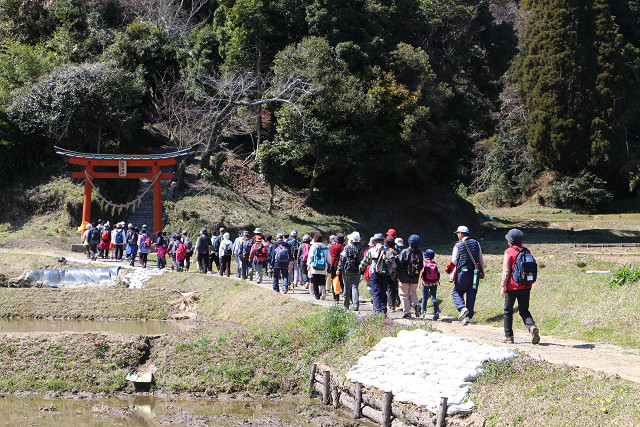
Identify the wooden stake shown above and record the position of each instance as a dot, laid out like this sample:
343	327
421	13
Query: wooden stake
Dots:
326	397
312	380
386	408
335	397
442	412
357	409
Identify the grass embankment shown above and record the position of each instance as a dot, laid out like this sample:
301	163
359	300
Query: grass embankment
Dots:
248	339
529	392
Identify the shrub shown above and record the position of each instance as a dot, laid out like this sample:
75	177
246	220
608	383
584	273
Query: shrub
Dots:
625	276
585	193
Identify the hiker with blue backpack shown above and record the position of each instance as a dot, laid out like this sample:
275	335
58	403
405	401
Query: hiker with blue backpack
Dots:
410	264
430	277
519	272
467	268
245	250
294	268
118	240
317	265
279	261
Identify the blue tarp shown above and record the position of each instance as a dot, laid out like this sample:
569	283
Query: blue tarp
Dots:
73	276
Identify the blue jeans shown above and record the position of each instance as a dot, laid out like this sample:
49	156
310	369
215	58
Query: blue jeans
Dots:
379	285
351	293
303	272
463	285
426	291
285	279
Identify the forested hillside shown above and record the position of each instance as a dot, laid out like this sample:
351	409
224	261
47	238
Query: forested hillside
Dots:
342	96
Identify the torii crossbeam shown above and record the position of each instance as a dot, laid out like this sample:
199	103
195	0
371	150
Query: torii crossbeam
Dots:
122	162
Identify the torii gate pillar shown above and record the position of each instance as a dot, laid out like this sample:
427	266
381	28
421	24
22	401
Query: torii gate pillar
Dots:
122	162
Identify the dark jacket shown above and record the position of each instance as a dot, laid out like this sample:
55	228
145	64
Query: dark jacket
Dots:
203	243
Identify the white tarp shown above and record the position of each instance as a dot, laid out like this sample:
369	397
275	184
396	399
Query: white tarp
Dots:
58	278
420	367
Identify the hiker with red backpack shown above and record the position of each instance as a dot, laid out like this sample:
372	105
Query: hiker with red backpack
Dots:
280	257
430	277
105	241
410	263
258	256
335	249
519	272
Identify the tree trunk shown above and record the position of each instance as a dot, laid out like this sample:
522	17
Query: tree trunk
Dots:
99	139
312	185
272	187
205	160
259	118
180	172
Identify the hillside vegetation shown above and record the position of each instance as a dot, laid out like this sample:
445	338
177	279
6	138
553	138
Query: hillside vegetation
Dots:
348	97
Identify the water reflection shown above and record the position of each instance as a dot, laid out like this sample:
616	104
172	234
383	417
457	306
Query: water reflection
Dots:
148	327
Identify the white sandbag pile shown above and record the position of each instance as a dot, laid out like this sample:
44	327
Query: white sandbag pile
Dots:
136	279
420	367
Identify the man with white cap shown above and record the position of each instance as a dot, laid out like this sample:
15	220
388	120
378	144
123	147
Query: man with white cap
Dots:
469	269
349	267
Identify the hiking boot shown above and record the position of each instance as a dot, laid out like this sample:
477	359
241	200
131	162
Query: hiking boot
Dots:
417	309
407	316
465	321
463	313
323	293
285	291
436	316
535	334
507	340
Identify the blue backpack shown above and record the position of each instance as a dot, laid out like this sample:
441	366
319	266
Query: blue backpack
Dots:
525	270
319	260
281	254
246	248
119	239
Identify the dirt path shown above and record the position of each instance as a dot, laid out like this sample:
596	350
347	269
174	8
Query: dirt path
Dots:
607	358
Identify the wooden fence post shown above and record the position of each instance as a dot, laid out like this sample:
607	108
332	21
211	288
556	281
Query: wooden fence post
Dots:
357	410
335	397
442	412
386	408
326	397
312	380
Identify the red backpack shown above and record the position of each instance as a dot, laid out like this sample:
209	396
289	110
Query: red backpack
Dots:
106	235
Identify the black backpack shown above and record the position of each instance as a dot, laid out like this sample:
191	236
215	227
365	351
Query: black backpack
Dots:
94	234
353	257
414	263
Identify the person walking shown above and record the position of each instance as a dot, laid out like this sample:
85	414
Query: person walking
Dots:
349	269
188	244
513	291
258	257
132	245
225	253
318	264
410	264
215	250
381	261
161	250
144	245
430	277
118	240
280	257
294	268
202	248
468	263
245	250
335	250
303	253
237	252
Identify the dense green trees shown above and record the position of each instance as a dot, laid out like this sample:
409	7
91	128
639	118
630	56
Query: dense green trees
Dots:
347	95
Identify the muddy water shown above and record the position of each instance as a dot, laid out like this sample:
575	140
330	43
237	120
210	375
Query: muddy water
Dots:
150	411
148	327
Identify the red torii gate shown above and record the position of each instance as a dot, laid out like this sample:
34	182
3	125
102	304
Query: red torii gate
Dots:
122	162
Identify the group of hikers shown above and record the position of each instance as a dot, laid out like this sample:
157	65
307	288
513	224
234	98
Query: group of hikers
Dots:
392	271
